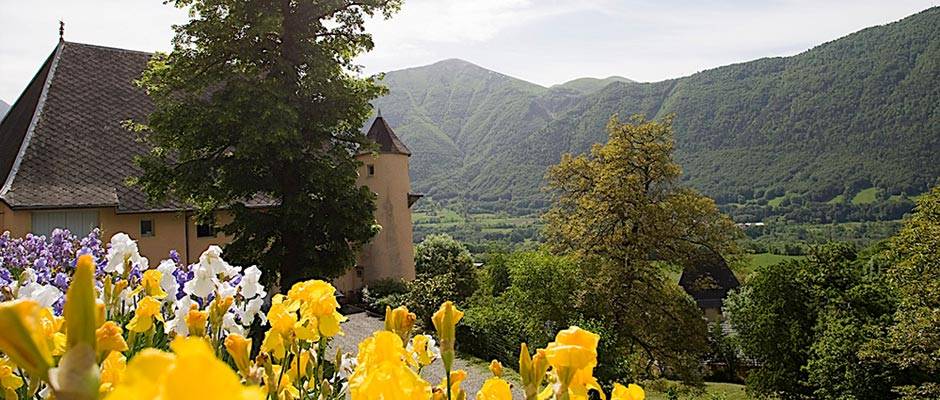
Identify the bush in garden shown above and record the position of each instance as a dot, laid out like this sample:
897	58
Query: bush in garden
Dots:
426	293
441	255
85	354
382	293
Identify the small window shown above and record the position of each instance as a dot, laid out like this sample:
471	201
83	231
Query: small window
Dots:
371	168
146	227
205	230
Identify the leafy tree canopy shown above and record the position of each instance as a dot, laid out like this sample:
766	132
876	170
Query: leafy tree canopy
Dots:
624	202
912	343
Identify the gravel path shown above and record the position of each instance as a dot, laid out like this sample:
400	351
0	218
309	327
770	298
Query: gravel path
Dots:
362	325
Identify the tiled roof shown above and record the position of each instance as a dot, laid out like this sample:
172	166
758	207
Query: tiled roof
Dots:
63	144
75	152
387	140
708	280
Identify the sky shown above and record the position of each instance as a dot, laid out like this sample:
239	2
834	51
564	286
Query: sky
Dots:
542	41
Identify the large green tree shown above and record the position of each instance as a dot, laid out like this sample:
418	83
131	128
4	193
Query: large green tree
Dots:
912	343
622	209
260	103
624	201
804	322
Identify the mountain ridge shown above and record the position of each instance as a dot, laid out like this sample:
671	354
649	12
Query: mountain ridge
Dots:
809	124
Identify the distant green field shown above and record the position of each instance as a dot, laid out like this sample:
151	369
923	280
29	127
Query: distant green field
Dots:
837	200
757	260
775	202
866	196
724	391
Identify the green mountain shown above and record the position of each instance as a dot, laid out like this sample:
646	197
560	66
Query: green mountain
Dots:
591	85
854	114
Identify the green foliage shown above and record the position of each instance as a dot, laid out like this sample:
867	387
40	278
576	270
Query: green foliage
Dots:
912	342
623	202
804	321
260	103
427	293
723	354
528	296
385	292
820	124
440	255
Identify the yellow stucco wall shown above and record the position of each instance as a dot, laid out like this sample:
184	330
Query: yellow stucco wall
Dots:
390	254
18	223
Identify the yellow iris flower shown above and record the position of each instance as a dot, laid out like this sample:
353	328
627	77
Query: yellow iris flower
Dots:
23	338
445	322
630	392
573	356
192	373
148	310
150	284
419	346
112	371
8	380
494	389
382	373
239	348
109	337
196	321
400	321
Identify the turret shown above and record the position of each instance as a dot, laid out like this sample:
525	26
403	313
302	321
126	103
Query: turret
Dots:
390	254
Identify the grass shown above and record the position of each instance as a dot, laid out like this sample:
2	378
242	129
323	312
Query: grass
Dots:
761	259
837	200
866	196
775	202
713	390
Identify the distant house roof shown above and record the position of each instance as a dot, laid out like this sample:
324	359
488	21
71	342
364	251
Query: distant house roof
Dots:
63	143
388	142
708	280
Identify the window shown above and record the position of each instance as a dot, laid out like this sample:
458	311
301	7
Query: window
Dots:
146	227
78	222
205	230
371	168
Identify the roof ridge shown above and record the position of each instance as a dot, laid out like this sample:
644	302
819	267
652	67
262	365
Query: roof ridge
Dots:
33	121
381	133
111	48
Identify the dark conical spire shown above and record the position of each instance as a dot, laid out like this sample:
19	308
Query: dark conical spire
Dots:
388	142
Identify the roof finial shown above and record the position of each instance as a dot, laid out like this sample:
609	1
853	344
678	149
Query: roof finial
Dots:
380	112
61	31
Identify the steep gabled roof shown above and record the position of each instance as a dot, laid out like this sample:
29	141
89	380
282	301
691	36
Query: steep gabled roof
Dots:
20	119
708	279
388	142
74	151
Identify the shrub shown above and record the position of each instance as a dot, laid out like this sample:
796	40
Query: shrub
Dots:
439	255
384	292
426	293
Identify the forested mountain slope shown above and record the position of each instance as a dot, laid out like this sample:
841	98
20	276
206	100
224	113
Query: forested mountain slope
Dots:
859	112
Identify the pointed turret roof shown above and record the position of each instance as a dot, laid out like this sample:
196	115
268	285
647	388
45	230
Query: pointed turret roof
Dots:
388	142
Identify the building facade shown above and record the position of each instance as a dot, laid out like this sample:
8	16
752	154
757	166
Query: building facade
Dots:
65	157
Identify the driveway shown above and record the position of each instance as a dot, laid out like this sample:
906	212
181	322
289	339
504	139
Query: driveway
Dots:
361	325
